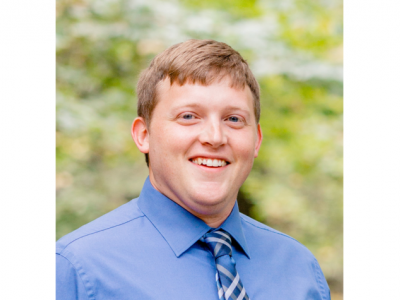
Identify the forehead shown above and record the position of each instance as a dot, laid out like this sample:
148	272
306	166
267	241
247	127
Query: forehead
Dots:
221	88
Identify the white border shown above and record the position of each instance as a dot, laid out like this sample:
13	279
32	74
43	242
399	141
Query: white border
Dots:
372	149
27	155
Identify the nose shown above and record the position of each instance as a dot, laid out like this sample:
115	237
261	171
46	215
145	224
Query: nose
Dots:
213	133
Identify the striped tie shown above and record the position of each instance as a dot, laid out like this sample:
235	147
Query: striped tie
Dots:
228	282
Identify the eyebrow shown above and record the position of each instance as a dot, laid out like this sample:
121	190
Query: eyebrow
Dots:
228	107
237	108
186	105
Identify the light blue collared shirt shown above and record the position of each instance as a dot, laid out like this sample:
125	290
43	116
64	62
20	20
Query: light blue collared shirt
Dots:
149	249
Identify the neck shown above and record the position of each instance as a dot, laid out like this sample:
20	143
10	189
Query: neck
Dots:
213	221
213	216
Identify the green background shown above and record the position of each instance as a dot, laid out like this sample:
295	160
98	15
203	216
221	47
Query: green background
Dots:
295	51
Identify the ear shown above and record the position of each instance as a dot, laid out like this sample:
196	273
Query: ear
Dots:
140	134
259	140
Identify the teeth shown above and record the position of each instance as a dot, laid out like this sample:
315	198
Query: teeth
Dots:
209	162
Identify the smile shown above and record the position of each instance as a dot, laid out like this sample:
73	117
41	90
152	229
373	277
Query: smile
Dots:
209	162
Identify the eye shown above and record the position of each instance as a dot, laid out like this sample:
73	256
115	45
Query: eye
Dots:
236	121
187	116
233	119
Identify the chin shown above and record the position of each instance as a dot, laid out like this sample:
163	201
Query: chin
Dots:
210	199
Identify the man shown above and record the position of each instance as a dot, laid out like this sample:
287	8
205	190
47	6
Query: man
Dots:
184	238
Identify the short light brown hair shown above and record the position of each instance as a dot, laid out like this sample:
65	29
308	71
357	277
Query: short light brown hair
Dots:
194	61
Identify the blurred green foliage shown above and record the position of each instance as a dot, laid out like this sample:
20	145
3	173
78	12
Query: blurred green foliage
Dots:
295	50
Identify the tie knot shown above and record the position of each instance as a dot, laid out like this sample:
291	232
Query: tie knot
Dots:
219	242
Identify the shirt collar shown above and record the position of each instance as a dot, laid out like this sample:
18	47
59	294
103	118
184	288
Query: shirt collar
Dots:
179	227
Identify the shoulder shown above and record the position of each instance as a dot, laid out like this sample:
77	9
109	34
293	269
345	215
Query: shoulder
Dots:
263	236
110	224
260	228
269	245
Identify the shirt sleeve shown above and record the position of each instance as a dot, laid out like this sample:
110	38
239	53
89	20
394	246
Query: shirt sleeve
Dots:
69	285
321	281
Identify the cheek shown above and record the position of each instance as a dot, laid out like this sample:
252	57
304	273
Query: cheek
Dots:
171	141
243	147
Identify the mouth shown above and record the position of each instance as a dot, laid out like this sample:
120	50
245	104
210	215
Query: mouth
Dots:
209	162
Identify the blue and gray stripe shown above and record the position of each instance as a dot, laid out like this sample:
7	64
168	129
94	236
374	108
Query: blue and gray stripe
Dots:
227	278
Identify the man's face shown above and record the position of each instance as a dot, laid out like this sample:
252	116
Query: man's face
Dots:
202	144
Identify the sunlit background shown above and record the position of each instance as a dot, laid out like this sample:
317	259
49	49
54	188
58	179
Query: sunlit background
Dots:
294	49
